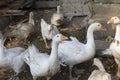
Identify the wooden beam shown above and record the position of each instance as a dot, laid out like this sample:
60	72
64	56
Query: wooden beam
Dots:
3	3
11	12
27	3
16	4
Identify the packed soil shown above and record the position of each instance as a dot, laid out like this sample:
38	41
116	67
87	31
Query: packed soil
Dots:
70	28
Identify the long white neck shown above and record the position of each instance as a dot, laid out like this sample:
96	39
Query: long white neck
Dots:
54	53
90	40
100	66
31	20
117	34
58	9
1	50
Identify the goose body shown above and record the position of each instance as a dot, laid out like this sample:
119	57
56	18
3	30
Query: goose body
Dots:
114	48
11	58
115	45
42	64
57	18
74	52
101	73
22	29
48	31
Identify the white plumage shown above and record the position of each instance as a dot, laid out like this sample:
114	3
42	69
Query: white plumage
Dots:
42	64
11	58
114	48
48	31
101	73
74	52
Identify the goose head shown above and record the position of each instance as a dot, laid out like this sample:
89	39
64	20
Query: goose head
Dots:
59	37
96	61
31	14
99	64
31	18
97	26
114	20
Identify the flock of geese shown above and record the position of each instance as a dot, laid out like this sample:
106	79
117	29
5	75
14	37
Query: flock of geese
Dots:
63	51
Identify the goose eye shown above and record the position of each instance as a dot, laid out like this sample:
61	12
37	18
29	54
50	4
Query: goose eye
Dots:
115	18
57	35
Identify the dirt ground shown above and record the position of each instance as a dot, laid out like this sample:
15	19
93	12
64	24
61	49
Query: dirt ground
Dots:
69	28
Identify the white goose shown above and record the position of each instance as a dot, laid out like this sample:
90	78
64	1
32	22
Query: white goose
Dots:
11	58
74	52
23	30
42	64
57	18
48	31
101	73
114	48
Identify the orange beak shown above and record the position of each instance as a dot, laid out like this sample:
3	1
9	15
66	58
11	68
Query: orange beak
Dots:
111	21
103	28
63	37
